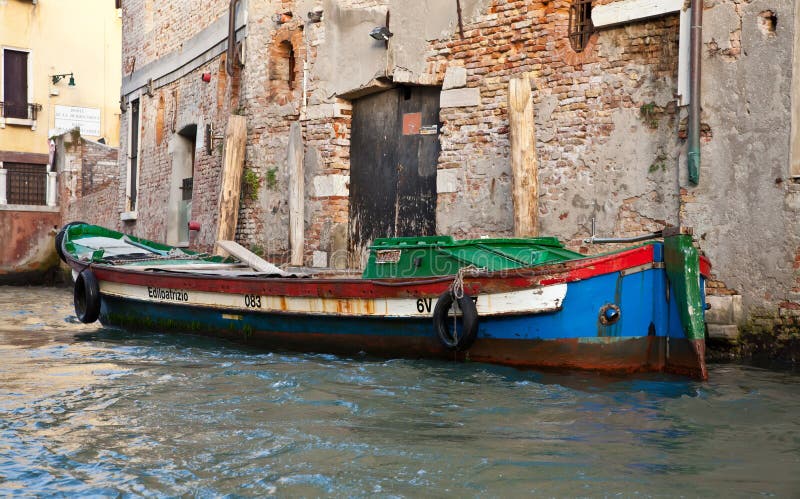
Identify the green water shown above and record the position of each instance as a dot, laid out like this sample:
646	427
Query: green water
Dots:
86	411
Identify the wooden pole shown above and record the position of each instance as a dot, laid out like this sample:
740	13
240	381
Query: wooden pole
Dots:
296	193
232	168
524	168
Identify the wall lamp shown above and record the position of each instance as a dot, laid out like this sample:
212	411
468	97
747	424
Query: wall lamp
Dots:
58	78
381	33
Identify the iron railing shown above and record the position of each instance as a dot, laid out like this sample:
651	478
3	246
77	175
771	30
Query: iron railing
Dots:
26	183
27	111
580	24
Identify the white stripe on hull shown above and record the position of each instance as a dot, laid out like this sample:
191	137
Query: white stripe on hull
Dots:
526	301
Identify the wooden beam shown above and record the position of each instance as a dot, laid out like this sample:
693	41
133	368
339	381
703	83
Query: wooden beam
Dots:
296	193
524	168
247	257
24	157
232	168
627	11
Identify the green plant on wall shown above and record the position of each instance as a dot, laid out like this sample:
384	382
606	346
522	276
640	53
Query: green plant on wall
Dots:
250	184
75	134
271	178
659	162
649	114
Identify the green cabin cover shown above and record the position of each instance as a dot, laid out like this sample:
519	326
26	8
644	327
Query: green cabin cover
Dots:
429	256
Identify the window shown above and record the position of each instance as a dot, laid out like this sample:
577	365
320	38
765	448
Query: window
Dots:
580	24
133	156
283	64
15	84
26	183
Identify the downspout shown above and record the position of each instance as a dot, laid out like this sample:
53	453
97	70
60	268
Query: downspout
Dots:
231	37
696	43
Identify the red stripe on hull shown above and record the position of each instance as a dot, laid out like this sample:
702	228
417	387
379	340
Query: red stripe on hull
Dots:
357	288
705	266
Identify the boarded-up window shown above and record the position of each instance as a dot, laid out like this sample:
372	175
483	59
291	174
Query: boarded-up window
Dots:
26	183
15	84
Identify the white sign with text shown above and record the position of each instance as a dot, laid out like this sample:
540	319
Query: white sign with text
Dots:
85	118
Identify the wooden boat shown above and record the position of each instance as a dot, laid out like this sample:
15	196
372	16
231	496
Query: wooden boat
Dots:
520	302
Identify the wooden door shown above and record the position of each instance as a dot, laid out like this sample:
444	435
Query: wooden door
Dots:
15	84
394	149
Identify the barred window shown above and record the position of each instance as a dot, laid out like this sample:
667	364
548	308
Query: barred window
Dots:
580	24
26	183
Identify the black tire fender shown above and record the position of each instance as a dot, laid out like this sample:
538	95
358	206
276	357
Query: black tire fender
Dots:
443	323
60	239
86	297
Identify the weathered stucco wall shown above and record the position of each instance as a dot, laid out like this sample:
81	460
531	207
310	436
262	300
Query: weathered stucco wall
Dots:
746	207
27	254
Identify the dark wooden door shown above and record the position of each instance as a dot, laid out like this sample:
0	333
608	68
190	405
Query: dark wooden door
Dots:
394	149
15	84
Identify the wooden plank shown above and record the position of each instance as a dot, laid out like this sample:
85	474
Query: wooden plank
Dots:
524	169
296	193
247	257
626	11
232	168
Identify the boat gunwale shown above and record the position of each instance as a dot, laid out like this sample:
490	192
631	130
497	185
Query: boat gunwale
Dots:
563	272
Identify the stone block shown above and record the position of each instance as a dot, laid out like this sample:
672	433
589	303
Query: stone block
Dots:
320	259
447	180
460	97
331	185
723	332
338	258
455	77
724	309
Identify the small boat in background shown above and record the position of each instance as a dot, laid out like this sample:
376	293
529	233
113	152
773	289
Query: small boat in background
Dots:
521	302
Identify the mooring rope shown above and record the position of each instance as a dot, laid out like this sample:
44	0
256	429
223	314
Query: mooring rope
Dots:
457	287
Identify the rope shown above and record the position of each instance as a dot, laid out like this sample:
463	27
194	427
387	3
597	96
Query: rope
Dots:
457	287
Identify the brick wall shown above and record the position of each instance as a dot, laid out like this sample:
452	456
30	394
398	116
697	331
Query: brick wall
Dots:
576	97
88	181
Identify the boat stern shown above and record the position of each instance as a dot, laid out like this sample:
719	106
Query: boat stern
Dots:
686	271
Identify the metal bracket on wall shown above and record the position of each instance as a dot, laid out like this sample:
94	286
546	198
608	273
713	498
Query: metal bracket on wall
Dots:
210	138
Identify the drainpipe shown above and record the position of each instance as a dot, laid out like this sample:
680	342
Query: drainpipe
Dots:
231	37
694	105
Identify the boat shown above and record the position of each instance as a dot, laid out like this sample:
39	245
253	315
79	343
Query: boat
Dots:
527	302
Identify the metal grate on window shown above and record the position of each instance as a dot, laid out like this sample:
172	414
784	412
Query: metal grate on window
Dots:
26	183
580	24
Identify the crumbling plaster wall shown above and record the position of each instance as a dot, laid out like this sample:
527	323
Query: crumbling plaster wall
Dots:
746	209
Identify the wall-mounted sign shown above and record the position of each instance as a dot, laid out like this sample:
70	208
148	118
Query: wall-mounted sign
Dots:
85	118
429	130
412	123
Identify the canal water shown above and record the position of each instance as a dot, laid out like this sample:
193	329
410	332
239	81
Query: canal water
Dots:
92	411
